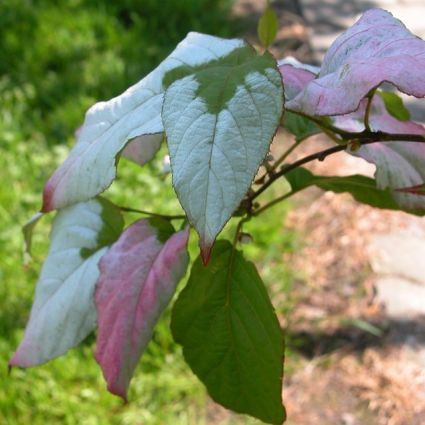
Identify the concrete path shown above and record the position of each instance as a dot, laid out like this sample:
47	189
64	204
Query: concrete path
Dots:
399	261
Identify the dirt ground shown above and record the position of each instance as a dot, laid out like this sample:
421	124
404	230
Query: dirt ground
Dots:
353	365
347	373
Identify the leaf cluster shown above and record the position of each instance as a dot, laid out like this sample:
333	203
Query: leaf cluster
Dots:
217	103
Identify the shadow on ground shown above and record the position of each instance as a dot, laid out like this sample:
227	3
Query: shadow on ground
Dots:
352	339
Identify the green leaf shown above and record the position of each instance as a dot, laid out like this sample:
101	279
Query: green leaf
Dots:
268	26
219	119
363	189
113	224
299	126
164	229
28	230
394	105
230	335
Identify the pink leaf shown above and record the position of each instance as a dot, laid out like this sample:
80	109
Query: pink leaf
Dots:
377	48
138	277
295	76
143	148
398	164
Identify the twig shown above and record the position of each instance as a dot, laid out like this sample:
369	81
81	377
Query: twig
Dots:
272	203
366	138
368	108
365	135
152	214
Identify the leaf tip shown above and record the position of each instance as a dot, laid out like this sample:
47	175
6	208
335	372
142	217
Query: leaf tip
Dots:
118	391
25	356
206	253
414	190
47	205
15	361
112	384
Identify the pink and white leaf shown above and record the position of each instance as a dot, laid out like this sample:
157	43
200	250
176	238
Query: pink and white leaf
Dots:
133	116
232	108
138	277
398	164
63	312
295	76
377	49
142	149
417	190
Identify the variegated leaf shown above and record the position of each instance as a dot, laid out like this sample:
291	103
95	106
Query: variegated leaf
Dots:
91	166
138	277
377	48
398	164
63	312
219	120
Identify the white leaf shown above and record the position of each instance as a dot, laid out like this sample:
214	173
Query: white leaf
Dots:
91	166
63	312
219	121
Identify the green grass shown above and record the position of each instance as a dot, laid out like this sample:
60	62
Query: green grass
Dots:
62	56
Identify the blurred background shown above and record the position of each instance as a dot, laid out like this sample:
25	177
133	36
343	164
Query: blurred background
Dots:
343	278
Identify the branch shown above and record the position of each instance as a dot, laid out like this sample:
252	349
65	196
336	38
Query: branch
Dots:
365	135
272	203
289	167
363	138
152	214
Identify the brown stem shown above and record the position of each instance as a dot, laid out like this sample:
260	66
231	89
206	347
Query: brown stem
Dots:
289	167
368	108
272	203
152	214
367	137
